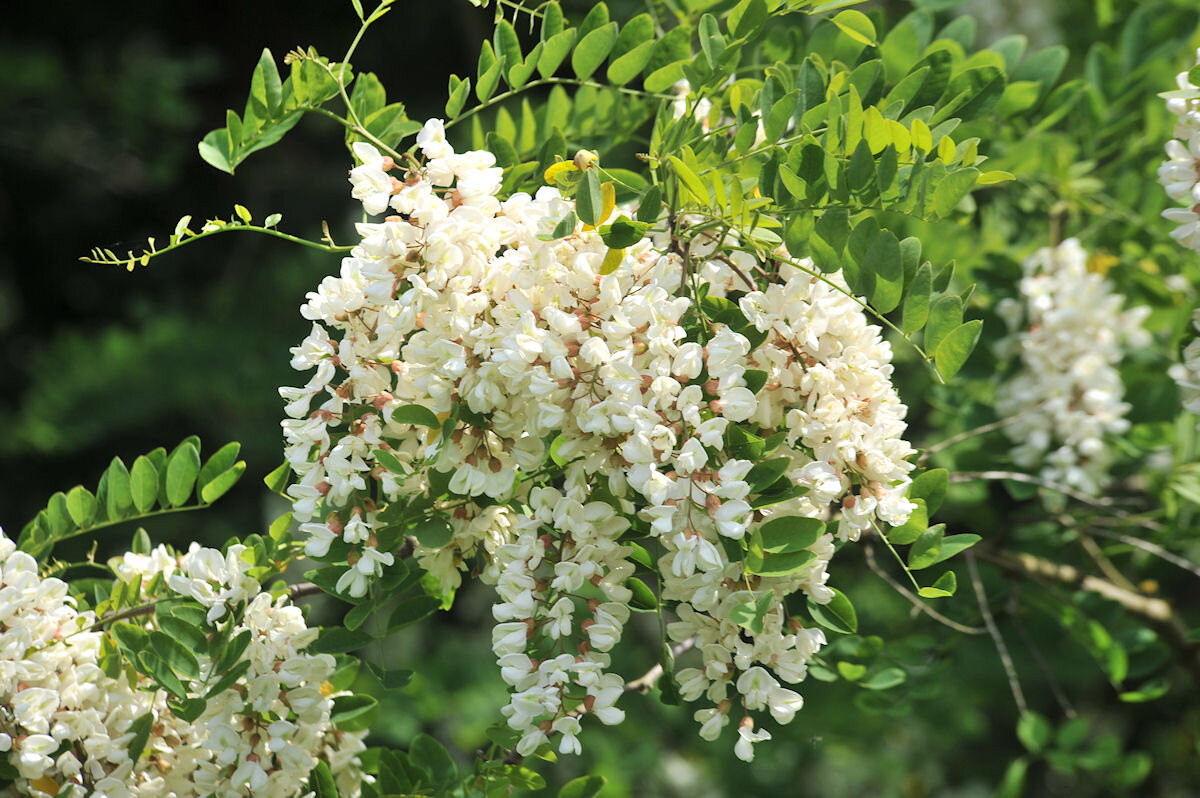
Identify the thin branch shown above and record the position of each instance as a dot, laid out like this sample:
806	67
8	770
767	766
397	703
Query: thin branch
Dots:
1103	563
869	551
133	260
1059	694
1148	547
971	433
647	680
1017	476
1009	670
296	591
499	98
1156	612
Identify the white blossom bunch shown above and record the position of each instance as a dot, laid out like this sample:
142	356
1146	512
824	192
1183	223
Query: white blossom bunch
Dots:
1187	373
1180	173
1067	332
69	718
552	409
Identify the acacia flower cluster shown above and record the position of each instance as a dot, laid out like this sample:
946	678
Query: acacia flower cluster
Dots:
1068	332
1180	173
1187	373
70	718
471	365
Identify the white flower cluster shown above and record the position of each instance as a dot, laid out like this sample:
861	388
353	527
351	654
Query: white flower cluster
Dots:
1187	373
1180	173
1068	330
66	724
588	406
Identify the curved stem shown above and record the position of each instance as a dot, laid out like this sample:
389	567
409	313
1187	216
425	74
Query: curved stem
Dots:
499	98
869	551
132	261
1005	659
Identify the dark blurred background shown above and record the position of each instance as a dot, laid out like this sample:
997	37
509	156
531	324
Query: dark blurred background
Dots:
101	106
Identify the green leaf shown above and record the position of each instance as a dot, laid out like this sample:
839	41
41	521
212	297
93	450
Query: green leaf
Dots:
952	352
354	712
458	93
650	204
926	548
918	522
747	17
623	232
151	664
944	316
175	655
434	759
81	505
851	671
838	614
141	542
508	46
417	415
220	484
412	610
952	188
191	637
141	735
582	787
182	469
771	565
765	474
883	261
118	499
143	484
643	596
592	50
589	198
220	462
886	679
433	533
751	614
953	544
857	26
690	180
1033	731
277	480
320	778
337	640
554	51
787	534
712	43
931	488
945	586
916	304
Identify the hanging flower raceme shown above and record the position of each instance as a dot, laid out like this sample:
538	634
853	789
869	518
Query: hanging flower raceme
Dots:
1180	173
552	416
1068	333
253	718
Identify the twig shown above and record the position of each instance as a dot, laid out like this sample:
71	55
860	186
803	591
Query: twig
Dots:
962	436
1147	546
647	680
296	591
1105	564
1009	670
869	551
1156	612
1017	476
1059	695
